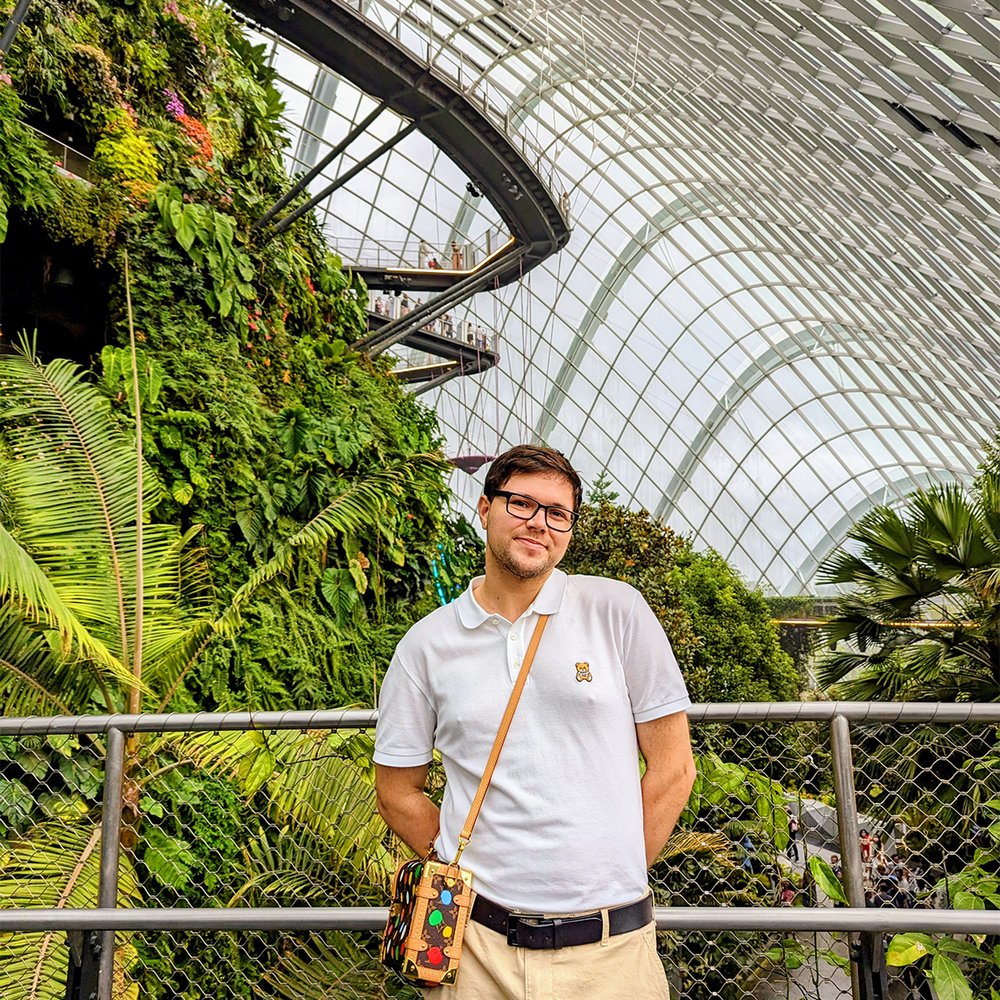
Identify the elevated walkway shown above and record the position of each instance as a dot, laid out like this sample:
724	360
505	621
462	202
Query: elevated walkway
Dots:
457	121
438	351
417	266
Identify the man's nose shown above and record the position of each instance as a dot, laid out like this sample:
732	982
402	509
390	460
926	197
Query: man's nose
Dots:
538	518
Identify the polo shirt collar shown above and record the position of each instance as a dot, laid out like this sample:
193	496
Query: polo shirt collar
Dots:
548	601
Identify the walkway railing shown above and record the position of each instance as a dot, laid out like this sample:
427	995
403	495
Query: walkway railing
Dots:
241	854
422	41
465	331
363	251
69	161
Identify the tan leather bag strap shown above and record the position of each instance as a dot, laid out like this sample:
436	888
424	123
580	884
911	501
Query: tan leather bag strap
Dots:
508	715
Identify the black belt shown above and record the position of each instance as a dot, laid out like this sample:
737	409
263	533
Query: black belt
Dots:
532	930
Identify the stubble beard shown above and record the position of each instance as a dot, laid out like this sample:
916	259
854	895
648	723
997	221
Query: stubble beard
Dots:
504	557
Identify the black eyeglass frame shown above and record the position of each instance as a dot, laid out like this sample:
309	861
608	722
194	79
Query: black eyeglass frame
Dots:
507	494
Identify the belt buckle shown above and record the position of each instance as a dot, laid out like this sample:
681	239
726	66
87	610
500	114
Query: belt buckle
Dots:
557	927
514	921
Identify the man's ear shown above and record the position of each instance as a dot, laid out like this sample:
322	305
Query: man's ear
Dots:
483	507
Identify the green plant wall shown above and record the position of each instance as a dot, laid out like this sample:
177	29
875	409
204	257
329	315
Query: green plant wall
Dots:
255	411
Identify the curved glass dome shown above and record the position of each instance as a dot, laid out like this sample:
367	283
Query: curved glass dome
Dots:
779	304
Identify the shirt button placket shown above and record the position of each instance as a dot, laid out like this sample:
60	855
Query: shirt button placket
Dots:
513	653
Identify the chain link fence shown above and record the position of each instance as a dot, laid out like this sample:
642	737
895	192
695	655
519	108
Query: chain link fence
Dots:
245	814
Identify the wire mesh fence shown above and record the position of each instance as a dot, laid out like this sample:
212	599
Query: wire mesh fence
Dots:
281	814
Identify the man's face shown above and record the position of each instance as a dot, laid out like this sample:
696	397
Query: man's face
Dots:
526	549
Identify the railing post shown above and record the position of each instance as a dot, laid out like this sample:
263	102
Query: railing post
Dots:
111	824
868	979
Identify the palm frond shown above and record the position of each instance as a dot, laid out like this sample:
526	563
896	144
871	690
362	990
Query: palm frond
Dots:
334	797
74	472
360	506
886	538
55	866
951	534
71	488
71	499
35	679
26	587
858	619
318	781
685	842
294	869
845	567
330	968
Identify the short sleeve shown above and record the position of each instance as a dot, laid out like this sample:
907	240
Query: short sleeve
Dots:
404	734
655	685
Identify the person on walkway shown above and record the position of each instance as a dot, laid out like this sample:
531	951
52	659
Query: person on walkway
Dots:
424	252
793	836
457	256
867	845
568	828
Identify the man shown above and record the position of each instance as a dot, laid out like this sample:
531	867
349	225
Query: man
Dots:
567	830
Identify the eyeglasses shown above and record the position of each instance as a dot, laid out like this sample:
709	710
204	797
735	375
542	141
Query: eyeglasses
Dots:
525	508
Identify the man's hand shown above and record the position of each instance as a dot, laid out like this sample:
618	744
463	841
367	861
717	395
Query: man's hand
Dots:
665	745
405	808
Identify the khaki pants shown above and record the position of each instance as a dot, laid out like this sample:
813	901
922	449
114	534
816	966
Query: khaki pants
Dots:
624	967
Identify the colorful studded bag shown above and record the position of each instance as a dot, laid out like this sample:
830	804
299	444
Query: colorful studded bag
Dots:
431	899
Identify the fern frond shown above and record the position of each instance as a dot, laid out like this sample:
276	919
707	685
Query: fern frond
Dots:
360	506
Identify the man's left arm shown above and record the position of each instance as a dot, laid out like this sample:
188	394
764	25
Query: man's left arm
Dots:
665	744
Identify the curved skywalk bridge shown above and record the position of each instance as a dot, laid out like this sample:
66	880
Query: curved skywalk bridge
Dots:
457	120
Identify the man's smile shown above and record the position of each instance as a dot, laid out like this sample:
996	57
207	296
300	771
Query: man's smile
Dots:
533	543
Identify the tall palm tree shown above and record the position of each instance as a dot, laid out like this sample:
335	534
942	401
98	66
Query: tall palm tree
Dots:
101	610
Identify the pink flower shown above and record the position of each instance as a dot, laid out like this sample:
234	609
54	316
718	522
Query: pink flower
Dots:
5	79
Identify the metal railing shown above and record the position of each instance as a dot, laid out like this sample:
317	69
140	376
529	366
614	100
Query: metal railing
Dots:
243	848
363	251
69	161
465	331
425	44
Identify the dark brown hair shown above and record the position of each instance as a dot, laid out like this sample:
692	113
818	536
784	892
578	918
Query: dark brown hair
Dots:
530	458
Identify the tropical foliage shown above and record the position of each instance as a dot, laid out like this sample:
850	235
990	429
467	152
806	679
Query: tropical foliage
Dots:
921	622
975	887
104	610
922	619
262	542
719	628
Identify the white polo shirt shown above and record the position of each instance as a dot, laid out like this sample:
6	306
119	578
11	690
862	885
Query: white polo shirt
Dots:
561	827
